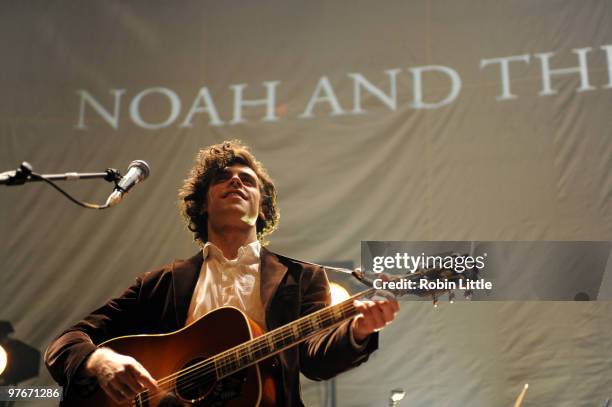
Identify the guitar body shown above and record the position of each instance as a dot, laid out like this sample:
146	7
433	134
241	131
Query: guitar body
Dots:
164	355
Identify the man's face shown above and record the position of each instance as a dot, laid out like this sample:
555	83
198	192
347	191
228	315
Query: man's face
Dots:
233	197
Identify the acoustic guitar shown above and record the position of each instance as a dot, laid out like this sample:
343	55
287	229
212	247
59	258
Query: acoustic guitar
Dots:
224	358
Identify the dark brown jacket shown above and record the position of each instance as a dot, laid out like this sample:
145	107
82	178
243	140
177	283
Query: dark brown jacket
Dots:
159	300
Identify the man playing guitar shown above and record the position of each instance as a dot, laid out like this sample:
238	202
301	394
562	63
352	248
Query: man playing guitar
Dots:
229	203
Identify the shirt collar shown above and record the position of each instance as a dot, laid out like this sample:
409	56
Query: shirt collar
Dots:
248	254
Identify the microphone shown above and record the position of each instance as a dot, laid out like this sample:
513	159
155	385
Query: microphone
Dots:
138	171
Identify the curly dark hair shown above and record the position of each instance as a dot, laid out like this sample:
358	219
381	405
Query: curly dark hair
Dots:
209	161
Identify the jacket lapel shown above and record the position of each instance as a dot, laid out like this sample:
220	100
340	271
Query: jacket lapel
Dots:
184	277
272	272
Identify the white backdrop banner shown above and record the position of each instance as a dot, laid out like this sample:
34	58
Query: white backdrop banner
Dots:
421	120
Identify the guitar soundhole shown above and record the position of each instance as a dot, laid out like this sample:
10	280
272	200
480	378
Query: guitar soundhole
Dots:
203	387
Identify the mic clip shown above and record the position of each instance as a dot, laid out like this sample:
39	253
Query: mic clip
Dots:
113	175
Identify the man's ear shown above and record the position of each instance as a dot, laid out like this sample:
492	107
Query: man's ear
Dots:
262	215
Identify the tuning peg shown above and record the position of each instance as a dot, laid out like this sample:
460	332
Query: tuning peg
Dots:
468	294
451	297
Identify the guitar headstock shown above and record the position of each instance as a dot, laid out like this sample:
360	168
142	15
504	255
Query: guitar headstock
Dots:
426	282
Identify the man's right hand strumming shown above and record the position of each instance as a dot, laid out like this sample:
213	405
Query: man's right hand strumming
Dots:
120	376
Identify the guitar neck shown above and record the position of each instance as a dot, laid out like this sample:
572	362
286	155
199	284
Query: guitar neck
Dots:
279	339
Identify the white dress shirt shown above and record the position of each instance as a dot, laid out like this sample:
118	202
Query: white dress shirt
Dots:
224	282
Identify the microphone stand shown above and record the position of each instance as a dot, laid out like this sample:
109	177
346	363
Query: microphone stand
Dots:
25	174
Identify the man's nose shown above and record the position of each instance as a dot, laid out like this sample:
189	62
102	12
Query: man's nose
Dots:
235	180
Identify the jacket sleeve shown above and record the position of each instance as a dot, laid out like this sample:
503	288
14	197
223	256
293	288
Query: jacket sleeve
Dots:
70	349
331	352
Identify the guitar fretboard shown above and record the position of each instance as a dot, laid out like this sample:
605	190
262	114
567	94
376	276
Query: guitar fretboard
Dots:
277	340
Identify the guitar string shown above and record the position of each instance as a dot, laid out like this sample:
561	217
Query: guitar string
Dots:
260	343
181	375
184	376
234	365
206	377
183	382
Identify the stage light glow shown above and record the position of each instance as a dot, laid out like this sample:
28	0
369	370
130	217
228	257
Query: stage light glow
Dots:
25	359
3	359
338	293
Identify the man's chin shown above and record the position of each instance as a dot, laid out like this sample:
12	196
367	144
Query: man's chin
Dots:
233	215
